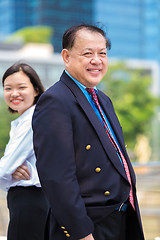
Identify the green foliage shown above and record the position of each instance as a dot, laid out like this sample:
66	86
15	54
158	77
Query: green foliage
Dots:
32	34
133	101
5	123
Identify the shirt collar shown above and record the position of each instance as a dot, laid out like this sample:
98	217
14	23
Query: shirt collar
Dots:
80	85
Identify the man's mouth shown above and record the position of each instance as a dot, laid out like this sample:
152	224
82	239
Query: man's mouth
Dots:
94	70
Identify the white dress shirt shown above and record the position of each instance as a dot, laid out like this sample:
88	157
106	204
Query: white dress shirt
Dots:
19	150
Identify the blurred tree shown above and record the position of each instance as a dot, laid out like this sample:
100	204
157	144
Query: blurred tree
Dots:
32	34
5	123
130	91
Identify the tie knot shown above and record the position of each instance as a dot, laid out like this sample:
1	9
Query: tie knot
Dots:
92	92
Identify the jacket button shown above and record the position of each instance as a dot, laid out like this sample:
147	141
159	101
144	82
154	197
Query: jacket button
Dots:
98	169
65	232
106	193
88	147
67	235
63	227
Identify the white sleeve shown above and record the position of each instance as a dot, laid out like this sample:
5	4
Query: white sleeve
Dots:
18	149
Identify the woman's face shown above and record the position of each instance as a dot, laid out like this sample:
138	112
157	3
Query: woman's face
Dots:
19	93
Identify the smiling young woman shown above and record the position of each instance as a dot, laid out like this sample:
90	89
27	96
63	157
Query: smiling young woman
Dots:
18	173
19	93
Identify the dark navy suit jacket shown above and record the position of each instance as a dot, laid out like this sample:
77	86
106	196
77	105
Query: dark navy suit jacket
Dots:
78	167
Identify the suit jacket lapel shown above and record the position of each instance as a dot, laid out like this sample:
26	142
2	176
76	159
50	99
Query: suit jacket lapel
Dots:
112	118
117	130
87	108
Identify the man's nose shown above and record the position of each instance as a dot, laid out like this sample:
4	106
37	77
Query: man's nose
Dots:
96	59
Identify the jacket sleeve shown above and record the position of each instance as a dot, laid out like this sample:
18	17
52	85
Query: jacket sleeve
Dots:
54	149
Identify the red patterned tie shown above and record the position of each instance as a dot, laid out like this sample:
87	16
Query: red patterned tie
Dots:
92	92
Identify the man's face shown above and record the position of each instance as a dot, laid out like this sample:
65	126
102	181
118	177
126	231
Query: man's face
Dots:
87	60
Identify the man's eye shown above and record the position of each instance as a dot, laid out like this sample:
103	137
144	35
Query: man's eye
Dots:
87	53
103	53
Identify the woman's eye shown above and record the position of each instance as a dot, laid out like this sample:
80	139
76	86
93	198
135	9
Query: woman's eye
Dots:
22	87
7	89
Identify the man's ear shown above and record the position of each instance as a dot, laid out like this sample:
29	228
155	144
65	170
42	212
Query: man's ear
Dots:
65	56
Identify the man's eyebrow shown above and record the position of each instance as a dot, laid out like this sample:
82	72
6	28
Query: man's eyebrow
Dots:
92	49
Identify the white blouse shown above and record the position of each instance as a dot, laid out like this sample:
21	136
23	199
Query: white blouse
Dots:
18	151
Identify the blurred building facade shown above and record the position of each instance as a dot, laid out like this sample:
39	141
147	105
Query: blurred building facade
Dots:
6	23
133	27
26	13
16	14
63	14
60	15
